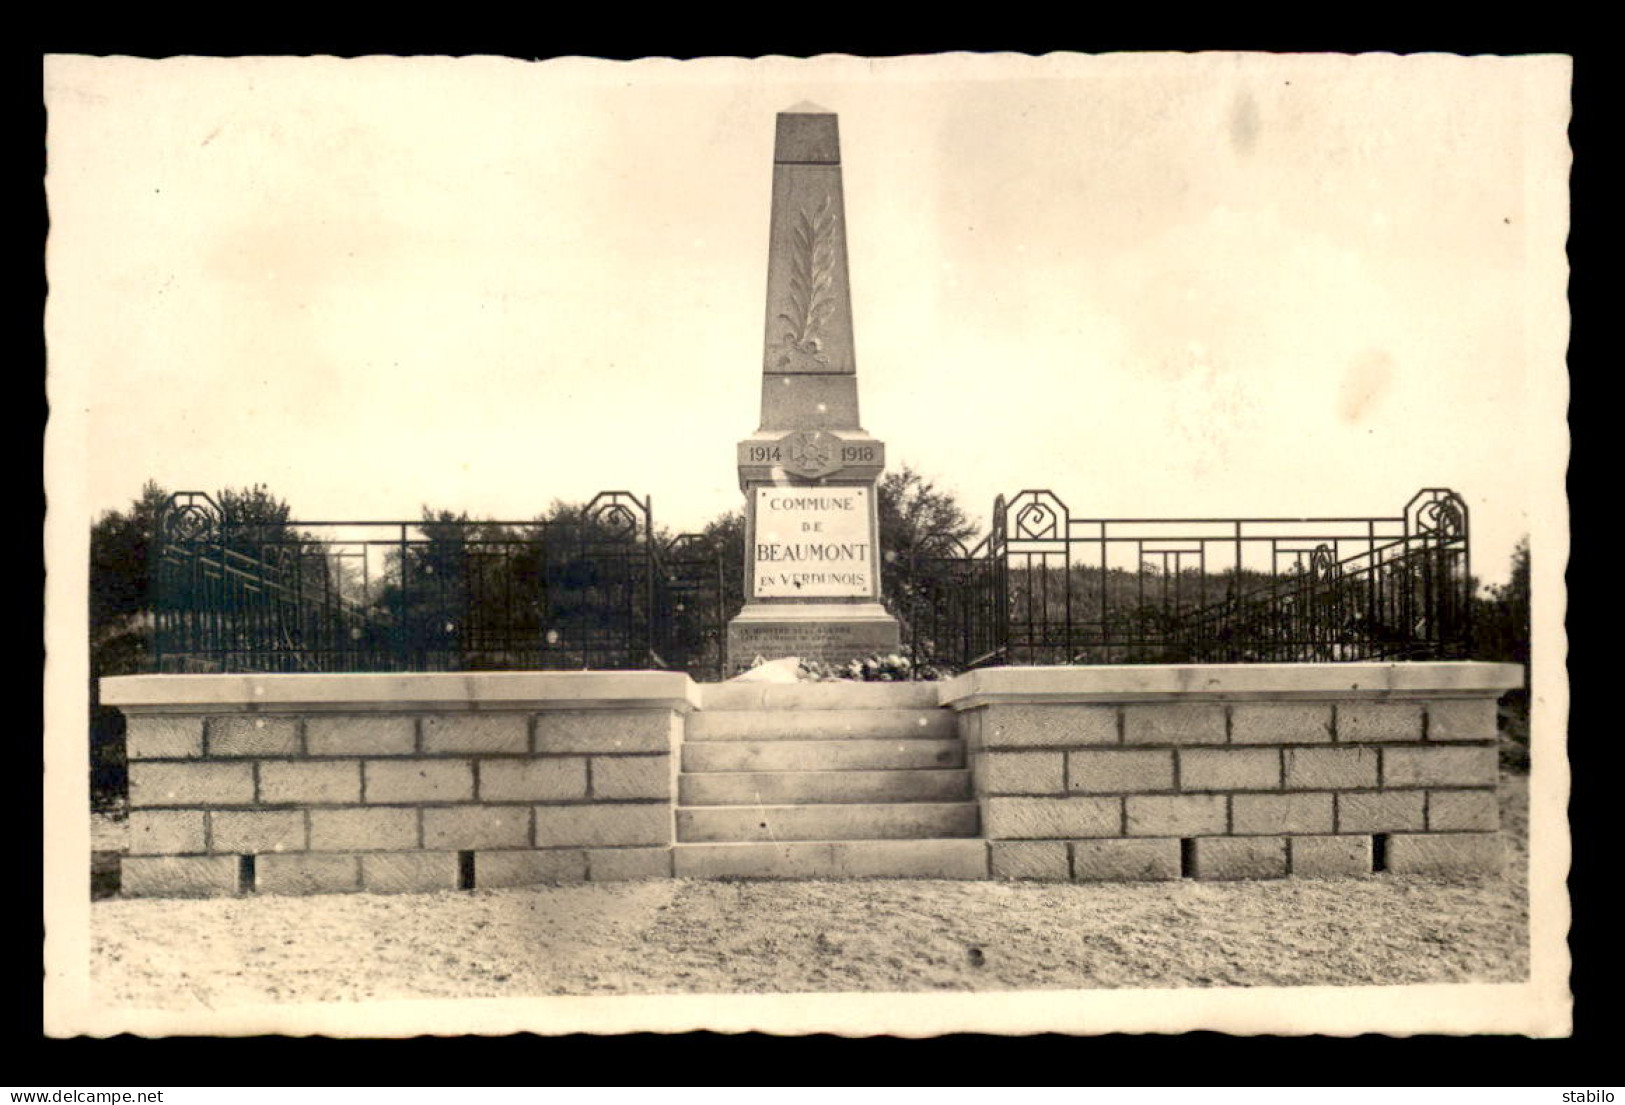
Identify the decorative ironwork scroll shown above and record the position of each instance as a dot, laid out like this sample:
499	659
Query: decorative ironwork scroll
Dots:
1437	512
190	516
622	514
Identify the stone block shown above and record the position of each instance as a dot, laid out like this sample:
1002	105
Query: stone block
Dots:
1178	815
1019	725
160	737
1379	721
616	777
875	723
1280	722
177	876
1275	814
814	401
1174	723
1445	854
364	829
409	872
550	779
827	821
1463	810
621	864
166	832
603	826
1262	857
1329	857
453	733
1125	860
464	828
808	697
608	731
529	868
1377	813
191	784
1458	766
304	873
1371	680
751	788
1330	768
251	832
1119	771
360	735
246	735
393	781
970	728
1029	859
1229	769
834	859
323	782
1021	773
978	779
1463	719
820	755
1051	818
807	137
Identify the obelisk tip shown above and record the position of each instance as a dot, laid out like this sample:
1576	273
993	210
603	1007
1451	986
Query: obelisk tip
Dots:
807	135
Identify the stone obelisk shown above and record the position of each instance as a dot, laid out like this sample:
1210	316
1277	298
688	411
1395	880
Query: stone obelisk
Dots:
812	529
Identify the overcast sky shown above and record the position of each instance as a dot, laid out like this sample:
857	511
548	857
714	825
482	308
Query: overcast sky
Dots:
1218	285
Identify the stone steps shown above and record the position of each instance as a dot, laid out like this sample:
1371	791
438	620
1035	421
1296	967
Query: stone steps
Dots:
844	859
825	780
821	755
827	821
933	723
751	788
728	697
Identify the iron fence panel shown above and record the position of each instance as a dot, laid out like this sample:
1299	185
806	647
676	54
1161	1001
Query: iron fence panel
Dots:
593	588
1047	588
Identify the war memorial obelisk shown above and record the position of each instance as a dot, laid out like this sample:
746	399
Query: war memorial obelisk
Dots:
812	530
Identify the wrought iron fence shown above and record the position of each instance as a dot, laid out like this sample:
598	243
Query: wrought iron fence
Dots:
591	588
1046	588
596	587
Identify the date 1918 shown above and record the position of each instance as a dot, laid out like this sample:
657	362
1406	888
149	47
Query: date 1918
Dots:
774	454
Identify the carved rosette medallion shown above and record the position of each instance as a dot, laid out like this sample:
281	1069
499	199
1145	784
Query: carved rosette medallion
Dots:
811	453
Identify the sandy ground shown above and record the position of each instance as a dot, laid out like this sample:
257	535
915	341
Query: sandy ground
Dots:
691	936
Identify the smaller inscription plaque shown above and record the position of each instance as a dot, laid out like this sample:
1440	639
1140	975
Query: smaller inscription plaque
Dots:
813	542
830	641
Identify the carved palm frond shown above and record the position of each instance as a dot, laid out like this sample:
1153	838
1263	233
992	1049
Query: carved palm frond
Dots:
812	275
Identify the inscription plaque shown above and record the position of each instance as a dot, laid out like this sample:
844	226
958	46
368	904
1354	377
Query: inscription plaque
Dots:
813	542
835	642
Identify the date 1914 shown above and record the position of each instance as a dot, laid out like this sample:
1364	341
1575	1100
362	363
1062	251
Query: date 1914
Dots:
849	454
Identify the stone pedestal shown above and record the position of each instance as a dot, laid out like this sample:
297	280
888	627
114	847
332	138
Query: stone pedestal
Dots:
812	571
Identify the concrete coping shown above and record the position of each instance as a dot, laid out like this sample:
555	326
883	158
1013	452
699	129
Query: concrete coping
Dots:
373	692
1229	682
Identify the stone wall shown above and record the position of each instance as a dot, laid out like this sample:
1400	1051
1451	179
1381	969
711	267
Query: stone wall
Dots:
302	784
1235	771
298	784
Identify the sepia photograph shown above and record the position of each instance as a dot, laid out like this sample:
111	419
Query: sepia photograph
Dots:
909	545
